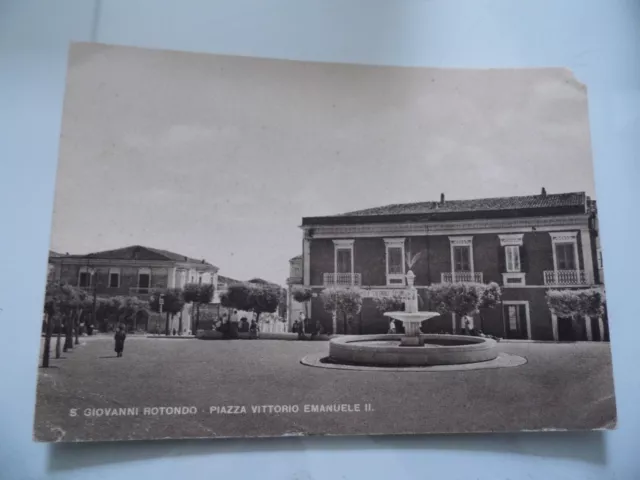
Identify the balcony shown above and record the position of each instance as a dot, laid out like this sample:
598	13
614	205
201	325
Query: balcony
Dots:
297	280
342	279
565	277
458	277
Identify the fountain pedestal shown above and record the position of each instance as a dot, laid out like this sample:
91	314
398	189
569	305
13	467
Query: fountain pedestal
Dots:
411	318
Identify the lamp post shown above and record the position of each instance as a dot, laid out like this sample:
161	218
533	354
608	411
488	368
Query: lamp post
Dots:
160	304
92	272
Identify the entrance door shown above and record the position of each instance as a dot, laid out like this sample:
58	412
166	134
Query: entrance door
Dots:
565	330
515	320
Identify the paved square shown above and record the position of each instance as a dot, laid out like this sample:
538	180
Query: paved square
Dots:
563	386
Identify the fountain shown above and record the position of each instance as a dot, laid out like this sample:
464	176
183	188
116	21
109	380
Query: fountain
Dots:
411	318
413	348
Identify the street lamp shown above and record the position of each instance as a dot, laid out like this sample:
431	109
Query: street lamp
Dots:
93	283
160	304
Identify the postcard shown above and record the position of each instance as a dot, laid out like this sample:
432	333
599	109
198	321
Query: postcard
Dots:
252	247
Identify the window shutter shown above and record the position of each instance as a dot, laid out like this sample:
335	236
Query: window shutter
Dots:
502	265
524	259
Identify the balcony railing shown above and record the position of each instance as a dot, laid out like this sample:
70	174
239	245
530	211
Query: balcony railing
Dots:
140	290
565	277
342	279
297	280
457	277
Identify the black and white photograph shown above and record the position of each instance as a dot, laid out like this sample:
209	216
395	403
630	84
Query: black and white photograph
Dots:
252	247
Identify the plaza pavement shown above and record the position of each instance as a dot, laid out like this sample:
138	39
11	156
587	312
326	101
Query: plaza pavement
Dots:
562	386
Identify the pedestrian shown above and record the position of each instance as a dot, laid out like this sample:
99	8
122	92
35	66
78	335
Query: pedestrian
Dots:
119	338
233	325
244	325
301	325
253	329
392	327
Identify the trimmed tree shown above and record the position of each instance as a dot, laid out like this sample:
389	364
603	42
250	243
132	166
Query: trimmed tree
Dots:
63	303
173	303
129	309
463	298
197	294
588	302
303	295
255	297
346	302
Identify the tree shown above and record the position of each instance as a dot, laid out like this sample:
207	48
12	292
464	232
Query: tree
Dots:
342	301
302	294
463	298
63	303
588	302
128	310
393	303
255	297
197	294
173	303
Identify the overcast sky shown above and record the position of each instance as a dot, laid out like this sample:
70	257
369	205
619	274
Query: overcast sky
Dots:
220	157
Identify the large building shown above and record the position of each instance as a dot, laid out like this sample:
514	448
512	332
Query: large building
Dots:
135	271
526	244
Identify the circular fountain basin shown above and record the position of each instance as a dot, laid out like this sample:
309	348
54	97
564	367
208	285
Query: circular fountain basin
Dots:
386	351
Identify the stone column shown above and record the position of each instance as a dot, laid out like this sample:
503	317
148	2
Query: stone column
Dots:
587	323
601	328
306	261
587	255
171	283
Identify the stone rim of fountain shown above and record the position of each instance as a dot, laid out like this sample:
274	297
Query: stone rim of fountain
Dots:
410	349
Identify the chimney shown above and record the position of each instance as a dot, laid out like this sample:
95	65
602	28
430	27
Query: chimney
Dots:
543	193
442	199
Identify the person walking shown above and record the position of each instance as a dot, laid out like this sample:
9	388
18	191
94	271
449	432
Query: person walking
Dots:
119	338
253	329
392	327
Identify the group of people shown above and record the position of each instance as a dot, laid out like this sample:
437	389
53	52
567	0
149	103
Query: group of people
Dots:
232	325
304	325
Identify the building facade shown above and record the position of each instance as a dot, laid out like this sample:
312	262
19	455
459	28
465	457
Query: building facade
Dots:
294	308
526	244
133	271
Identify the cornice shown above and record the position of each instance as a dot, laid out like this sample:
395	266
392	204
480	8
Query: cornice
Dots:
97	262
503	225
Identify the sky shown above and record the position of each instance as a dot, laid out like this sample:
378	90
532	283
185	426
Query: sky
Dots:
220	157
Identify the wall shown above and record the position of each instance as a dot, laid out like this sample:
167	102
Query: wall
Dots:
536	256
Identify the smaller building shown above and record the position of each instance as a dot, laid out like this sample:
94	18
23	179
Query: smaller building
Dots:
133	271
295	278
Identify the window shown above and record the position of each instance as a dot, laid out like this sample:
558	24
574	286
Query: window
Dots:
599	253
565	257
512	254
395	264
144	280
343	260
461	258
114	278
343	264
84	280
